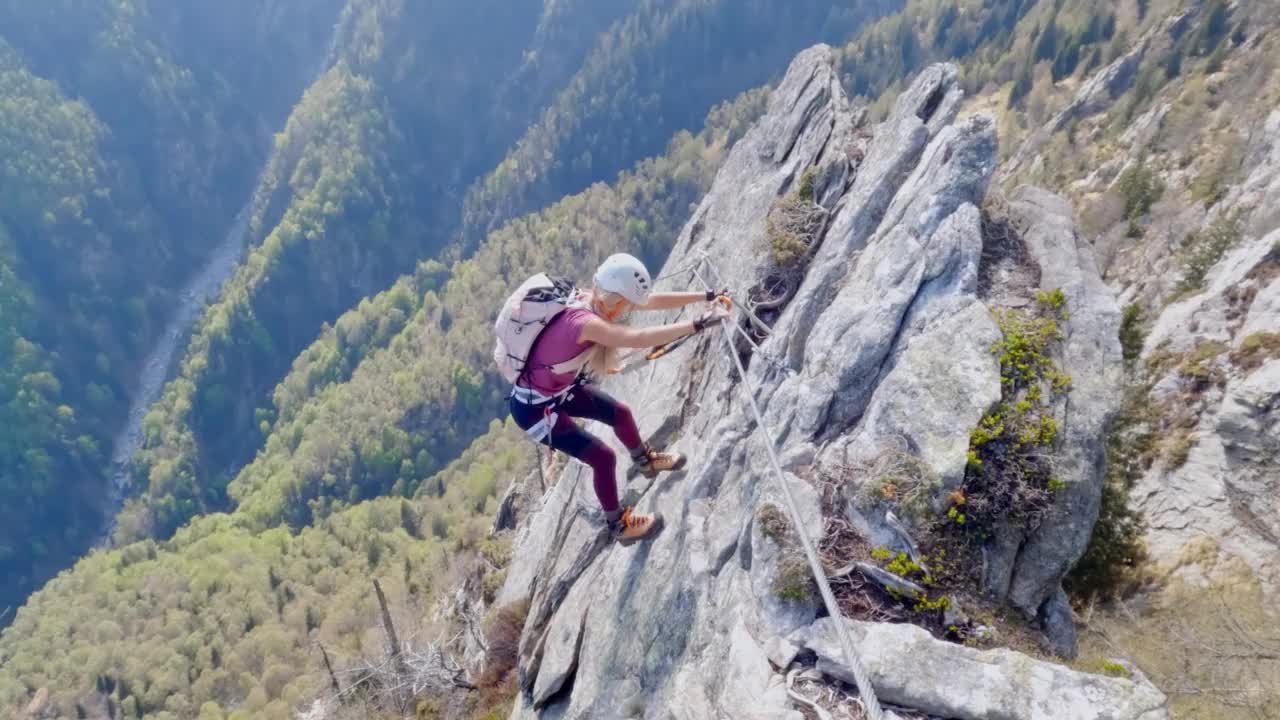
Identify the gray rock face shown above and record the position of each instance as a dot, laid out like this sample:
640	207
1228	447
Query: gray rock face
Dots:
885	339
909	667
1249	425
1228	490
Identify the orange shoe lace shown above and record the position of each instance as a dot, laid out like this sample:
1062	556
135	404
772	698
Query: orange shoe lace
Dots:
628	521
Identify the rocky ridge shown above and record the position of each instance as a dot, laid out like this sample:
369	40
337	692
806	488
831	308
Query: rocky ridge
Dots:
885	339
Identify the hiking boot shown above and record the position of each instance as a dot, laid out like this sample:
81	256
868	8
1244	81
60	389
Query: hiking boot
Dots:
630	526
651	462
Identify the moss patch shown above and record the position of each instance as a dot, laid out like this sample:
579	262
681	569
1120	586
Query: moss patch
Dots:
773	523
1255	350
794	580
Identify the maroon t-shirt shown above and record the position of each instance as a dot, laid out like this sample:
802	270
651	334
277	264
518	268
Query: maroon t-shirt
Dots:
556	344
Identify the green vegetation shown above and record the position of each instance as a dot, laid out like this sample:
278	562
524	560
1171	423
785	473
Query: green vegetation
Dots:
794	580
1010	475
773	523
1132	332
55	399
330	446
1203	249
403	409
1199	365
793	224
338	178
1140	188
900	564
1211	185
131	125
337	194
339	213
656	71
1111	564
129	134
881	59
1256	349
227	615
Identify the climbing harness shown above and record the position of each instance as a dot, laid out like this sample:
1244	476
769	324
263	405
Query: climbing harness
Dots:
865	691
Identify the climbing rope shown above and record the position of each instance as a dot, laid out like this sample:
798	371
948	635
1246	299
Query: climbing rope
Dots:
865	691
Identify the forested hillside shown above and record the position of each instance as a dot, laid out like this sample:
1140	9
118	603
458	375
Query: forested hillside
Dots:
656	71
379	405
369	173
130	136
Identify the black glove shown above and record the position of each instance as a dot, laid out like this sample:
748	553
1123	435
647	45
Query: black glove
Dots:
712	294
705	322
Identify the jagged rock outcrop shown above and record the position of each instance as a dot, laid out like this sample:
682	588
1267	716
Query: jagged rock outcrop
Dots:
1091	356
885	339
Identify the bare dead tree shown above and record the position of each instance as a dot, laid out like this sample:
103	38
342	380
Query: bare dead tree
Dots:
388	625
333	679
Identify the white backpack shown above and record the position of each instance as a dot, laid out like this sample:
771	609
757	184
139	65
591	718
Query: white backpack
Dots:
524	315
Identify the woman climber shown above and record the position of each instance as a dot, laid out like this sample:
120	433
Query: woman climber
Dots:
578	330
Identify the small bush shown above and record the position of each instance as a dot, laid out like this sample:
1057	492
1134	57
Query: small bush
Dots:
491	583
794	223
1115	669
1132	332
1140	189
773	523
1202	250
900	478
1103	666
1010	471
1178	448
503	640
496	550
804	191
1199	367
1212	184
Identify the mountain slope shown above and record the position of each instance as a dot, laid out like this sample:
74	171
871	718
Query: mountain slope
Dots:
251	592
123	167
667	63
339	217
353	196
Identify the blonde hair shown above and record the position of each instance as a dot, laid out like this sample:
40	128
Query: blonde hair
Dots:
603	358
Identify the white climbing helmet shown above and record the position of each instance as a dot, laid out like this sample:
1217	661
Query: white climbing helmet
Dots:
625	275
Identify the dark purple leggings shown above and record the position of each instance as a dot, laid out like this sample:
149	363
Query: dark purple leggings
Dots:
588	402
